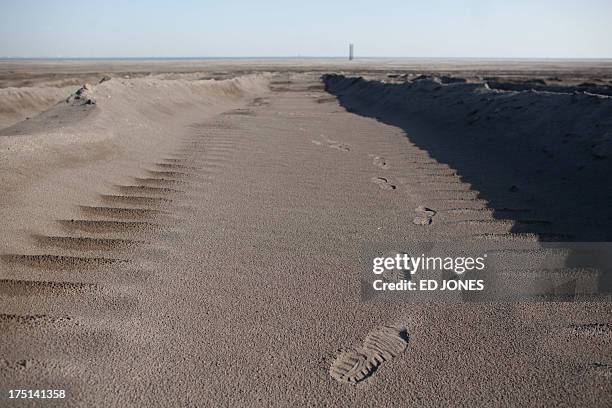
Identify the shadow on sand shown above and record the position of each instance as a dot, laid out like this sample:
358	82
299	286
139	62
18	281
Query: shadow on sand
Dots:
541	160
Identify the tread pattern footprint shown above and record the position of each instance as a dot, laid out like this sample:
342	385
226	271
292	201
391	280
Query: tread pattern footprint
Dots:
380	162
343	147
380	345
383	183
424	215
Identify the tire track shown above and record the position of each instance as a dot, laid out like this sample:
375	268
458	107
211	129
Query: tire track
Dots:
84	263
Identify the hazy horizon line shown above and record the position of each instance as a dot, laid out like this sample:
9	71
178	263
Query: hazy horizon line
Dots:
296	57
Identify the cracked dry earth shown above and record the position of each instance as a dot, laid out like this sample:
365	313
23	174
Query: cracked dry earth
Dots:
227	273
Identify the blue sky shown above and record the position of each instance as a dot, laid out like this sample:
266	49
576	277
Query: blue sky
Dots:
470	28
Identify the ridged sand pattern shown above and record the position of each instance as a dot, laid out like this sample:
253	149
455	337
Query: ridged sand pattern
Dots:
245	112
21	287
134	200
524	236
106	226
120	213
592	328
142	189
175	166
453	194
221	148
59	262
32	320
173	160
159	181
86	243
259	102
380	345
168	174
326	99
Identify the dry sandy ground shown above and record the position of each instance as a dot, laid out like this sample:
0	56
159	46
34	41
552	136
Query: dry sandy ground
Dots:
188	242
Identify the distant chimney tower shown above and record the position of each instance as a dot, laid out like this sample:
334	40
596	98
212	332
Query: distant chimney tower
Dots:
350	52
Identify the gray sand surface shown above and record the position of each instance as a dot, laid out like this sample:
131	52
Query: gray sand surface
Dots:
189	242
